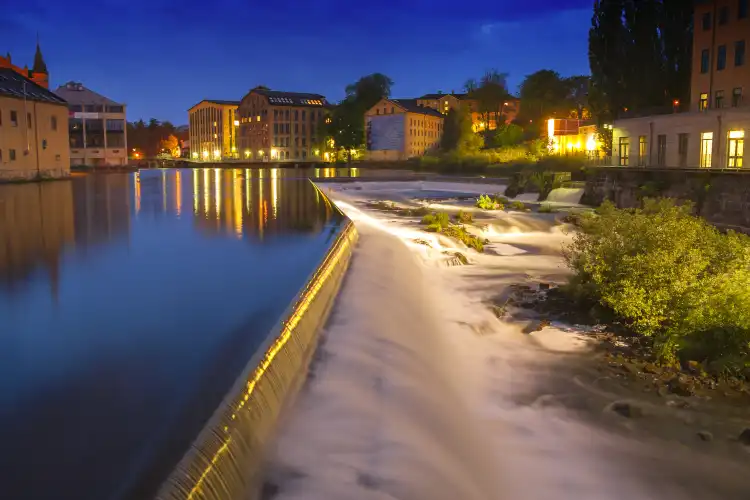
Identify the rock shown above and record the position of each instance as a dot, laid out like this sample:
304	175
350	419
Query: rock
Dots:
745	437
678	403
662	391
680	386
626	409
544	286
705	436
651	368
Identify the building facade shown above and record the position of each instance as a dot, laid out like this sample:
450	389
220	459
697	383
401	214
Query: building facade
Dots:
280	126
213	127
399	129
720	76
37	74
33	130
480	120
97	126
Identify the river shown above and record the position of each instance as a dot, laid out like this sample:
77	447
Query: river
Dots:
129	304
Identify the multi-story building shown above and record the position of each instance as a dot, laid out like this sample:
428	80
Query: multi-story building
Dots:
213	130
712	134
37	74
479	119
97	125
720	70
398	129
33	130
276	125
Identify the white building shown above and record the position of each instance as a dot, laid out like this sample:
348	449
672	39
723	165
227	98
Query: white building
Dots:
714	138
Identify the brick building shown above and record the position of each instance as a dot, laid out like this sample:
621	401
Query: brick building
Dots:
280	126
398	129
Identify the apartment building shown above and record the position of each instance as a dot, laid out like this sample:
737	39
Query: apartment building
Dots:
479	119
213	127
398	129
720	71
97	127
280	126
33	130
712	134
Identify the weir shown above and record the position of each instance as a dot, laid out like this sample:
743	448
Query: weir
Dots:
225	461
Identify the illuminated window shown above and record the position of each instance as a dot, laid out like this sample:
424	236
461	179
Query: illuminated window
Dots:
642	153
703	103
735	148
707	146
624	151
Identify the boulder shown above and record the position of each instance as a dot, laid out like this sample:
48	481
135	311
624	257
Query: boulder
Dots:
627	409
681	386
705	436
745	437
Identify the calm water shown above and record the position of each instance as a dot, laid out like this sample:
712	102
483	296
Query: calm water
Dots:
129	304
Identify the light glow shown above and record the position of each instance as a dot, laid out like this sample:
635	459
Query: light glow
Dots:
736	134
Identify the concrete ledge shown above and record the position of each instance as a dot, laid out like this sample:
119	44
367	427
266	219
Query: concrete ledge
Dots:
226	459
33	175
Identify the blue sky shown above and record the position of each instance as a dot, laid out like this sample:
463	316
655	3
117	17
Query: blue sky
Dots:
161	57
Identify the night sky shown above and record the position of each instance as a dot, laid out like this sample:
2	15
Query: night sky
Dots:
161	57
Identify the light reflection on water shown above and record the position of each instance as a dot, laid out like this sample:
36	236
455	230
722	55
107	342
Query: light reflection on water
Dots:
125	316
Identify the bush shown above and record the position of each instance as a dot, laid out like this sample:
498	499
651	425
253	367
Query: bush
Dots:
502	200
486	203
439	222
546	209
670	276
437	219
461	234
464	217
518	205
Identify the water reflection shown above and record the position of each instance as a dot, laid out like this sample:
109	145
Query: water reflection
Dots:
126	314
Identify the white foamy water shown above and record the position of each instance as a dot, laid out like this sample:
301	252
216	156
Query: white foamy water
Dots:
566	196
420	393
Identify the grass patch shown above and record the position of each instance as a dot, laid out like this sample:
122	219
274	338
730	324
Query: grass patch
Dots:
439	222
518	205
464	217
485	202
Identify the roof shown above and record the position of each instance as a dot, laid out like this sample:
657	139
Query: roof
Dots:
440	95
280	98
220	102
411	106
14	85
76	93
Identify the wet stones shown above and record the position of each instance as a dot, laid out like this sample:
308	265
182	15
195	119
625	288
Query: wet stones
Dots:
705	436
680	386
627	409
745	437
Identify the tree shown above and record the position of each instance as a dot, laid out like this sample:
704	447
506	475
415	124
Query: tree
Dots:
458	134
505	135
632	38
470	85
544	94
170	144
368	90
578	93
346	127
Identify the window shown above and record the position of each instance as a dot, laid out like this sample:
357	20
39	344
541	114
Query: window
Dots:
723	15
705	55
1	116
624	151
735	148
707	146
286	115
303	114
642	153
275	128
736	97
53	122
115	109
13	119
661	150
12	154
682	149
703	103
741	9
296	114
706	21
719	99
739	53
275	113
393	110
721	59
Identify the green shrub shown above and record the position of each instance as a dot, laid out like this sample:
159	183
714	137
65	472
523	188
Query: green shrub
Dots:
464	217
518	205
670	276
461	234
439	219
546	208
502	200
486	203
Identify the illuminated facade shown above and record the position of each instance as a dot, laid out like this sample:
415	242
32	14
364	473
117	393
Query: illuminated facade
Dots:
280	126
97	125
398	129
480	120
713	133
33	130
213	130
568	136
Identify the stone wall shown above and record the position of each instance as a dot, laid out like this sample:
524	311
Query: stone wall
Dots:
723	198
32	175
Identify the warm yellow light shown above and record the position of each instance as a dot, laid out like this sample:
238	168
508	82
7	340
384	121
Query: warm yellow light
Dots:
217	153
570	145
551	127
332	143
274	153
247	153
236	123
205	154
736	134
195	154
257	118
260	152
591	143
326	155
234	149
216	136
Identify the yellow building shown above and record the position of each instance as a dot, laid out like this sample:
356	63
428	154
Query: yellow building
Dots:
33	130
568	136
480	121
213	130
398	129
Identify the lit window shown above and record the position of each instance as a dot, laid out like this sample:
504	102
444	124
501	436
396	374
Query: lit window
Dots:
703	103
624	151
642	151
707	146
735	148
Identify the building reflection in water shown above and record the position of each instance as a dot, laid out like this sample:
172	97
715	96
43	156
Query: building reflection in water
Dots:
36	224
102	205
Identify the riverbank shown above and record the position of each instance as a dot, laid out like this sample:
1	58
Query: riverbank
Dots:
418	361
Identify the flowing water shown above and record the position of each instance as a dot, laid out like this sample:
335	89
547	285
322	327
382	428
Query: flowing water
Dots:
566	196
129	305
